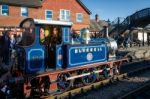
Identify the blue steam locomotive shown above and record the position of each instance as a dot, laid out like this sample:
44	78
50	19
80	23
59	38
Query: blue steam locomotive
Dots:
50	59
58	50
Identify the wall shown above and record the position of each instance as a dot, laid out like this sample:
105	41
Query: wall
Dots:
14	17
140	36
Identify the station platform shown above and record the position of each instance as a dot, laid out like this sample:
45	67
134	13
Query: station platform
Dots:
137	53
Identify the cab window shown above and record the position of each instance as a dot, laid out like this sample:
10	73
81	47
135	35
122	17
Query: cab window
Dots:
44	35
50	35
27	37
56	35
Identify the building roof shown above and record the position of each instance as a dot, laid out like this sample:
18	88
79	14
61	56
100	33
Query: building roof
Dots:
86	9
97	26
27	3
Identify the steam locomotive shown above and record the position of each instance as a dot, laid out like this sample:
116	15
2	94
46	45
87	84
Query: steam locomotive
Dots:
66	53
49	59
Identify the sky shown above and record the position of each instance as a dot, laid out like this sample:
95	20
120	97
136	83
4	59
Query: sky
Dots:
111	9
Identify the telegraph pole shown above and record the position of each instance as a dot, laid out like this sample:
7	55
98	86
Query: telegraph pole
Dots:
118	26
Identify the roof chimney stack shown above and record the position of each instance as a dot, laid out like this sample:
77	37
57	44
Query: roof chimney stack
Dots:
96	18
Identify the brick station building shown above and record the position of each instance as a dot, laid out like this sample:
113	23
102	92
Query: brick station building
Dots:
13	12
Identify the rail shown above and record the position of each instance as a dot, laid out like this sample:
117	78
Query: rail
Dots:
136	91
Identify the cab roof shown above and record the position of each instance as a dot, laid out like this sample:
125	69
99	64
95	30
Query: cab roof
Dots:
52	22
30	22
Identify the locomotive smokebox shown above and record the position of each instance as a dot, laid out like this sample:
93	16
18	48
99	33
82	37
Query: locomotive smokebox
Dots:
112	48
85	35
111	44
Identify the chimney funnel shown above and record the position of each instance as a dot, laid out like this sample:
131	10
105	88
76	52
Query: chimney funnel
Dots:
96	18
106	31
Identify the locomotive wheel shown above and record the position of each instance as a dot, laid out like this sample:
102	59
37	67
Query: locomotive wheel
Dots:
116	70
86	80
35	88
62	83
100	75
105	72
45	85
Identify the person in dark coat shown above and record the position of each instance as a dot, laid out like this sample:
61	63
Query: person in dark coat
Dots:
1	51
6	46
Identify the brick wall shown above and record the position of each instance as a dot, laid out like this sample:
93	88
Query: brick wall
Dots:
15	17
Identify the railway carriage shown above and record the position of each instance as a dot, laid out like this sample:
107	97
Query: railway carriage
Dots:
51	61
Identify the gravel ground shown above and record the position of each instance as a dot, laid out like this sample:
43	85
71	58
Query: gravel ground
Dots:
117	89
135	48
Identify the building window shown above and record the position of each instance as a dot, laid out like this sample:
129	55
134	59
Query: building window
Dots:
79	17
64	15
48	14
4	10
24	11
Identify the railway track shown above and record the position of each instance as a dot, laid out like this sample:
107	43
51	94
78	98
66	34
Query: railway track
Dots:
97	85
142	92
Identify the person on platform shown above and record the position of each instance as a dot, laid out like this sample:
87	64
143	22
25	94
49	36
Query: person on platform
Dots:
6	47
1	47
12	40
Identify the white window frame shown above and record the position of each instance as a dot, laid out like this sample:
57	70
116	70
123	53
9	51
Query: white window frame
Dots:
22	10
77	17
2	9
66	17
46	15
